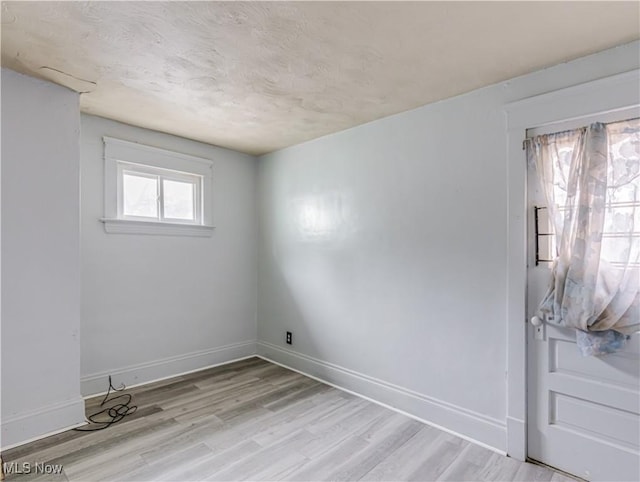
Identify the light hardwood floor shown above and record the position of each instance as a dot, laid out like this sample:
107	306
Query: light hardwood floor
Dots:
253	420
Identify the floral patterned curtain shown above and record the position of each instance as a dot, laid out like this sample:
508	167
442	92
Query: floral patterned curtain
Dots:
591	180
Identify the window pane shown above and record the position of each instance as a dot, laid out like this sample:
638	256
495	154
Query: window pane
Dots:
179	200
140	195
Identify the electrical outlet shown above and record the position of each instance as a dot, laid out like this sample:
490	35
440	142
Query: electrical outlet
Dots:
289	338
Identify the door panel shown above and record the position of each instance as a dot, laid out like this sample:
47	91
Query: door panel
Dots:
583	412
583	417
620	369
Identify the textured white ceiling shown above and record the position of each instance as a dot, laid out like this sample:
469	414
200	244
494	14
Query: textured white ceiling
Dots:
258	76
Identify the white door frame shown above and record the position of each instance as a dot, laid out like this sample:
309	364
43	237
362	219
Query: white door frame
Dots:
603	95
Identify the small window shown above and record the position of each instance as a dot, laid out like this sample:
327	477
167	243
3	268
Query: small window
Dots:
154	191
152	194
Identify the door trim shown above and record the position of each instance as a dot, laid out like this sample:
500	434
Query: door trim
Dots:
584	100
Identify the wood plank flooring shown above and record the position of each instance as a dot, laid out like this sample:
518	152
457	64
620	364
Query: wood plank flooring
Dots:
253	420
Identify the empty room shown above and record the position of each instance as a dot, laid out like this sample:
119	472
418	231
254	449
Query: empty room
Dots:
317	241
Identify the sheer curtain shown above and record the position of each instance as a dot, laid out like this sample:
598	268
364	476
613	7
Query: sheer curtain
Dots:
591	180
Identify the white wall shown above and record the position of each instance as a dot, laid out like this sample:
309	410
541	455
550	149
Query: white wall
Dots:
384	249
40	259
156	306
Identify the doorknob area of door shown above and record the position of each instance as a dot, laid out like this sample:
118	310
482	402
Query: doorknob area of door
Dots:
538	328
536	321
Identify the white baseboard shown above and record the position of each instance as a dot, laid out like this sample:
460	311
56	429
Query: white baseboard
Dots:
36	424
470	425
156	370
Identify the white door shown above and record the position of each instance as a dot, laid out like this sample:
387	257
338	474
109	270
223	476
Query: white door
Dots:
583	412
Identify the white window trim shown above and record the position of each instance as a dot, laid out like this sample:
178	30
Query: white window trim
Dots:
118	152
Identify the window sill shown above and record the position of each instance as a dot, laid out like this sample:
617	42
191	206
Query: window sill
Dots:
126	226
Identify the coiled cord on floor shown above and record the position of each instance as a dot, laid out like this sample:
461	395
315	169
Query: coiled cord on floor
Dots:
114	413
